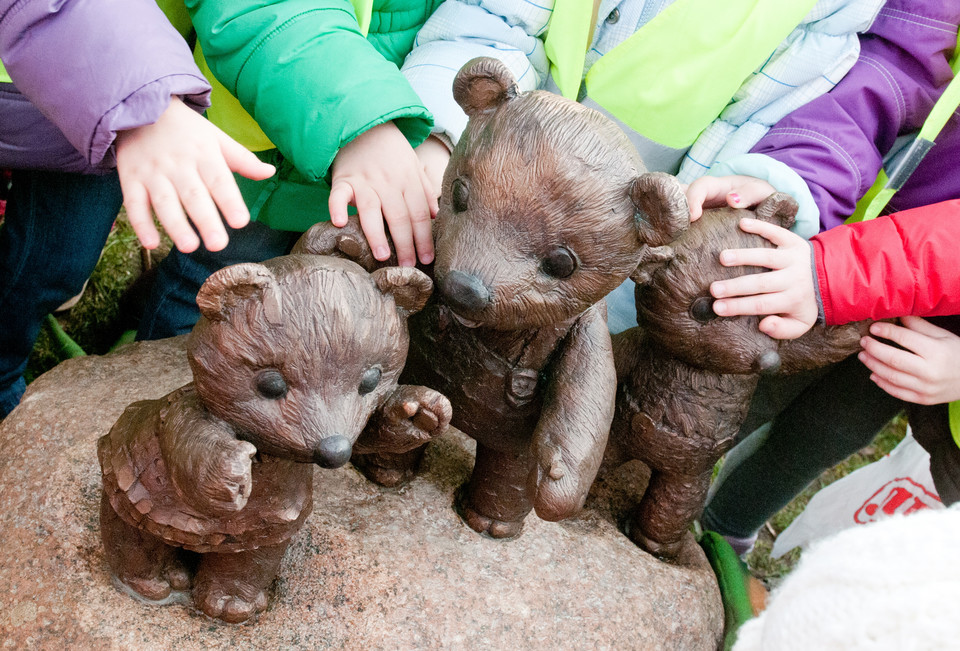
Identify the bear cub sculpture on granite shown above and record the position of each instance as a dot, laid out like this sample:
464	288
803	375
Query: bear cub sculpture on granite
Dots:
685	376
290	359
543	211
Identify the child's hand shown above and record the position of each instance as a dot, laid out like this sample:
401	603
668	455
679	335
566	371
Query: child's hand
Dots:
434	156
380	174
182	162
786	293
734	191
926	373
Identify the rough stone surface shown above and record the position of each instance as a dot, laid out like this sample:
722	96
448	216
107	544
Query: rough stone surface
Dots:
372	568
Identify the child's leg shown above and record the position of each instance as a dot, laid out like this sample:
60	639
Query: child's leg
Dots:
825	424
55	227
171	307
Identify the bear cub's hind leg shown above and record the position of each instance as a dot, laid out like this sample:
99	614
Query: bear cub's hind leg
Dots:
233	586
140	561
496	500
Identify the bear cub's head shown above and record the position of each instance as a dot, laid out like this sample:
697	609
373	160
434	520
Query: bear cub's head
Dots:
675	307
540	211
297	352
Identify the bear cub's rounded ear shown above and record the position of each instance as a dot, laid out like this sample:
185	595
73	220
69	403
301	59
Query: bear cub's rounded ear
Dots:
410	287
662	210
232	285
779	209
482	85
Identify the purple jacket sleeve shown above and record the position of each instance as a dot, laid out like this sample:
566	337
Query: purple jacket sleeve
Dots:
95	67
837	141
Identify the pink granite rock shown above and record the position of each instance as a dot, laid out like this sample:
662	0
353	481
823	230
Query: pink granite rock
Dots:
372	568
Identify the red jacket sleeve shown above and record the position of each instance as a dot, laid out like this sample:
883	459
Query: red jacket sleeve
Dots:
897	265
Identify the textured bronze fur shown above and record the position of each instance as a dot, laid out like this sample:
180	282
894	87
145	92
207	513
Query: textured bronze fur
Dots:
685	377
290	359
541	215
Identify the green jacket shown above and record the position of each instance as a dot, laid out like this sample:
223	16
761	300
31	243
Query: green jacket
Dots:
304	71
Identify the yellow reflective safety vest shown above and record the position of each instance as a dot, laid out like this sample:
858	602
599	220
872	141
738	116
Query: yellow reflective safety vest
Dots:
708	47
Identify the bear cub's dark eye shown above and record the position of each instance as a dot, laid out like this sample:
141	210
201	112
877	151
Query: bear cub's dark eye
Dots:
271	384
559	263
461	195
370	380
702	309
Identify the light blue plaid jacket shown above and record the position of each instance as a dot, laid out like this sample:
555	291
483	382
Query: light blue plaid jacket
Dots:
809	62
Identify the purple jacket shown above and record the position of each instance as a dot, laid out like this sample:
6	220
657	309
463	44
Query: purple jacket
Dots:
82	71
837	141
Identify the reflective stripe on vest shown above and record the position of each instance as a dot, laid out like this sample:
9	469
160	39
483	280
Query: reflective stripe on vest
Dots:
225	110
708	48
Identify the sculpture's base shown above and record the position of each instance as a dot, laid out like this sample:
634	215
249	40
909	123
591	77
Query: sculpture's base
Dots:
372	568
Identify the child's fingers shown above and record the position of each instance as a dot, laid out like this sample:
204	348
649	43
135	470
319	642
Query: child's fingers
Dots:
757	304
169	212
396	213
749	284
899	372
747	191
423	240
899	392
924	327
199	206
137	205
341	195
420	216
242	161
432	191
758	257
371	216
905	337
707	190
223	189
779	327
776	235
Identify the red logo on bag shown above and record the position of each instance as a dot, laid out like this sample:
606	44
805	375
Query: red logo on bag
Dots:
901	495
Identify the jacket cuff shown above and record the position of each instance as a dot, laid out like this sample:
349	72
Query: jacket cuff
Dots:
821	318
825	312
783	178
144	107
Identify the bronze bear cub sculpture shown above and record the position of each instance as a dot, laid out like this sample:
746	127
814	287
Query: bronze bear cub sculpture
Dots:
290	359
685	376
543	211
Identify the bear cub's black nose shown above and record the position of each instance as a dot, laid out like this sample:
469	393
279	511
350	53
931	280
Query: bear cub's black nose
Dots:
464	292
333	452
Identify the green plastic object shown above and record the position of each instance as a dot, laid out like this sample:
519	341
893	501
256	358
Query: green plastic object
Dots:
68	346
127	337
732	579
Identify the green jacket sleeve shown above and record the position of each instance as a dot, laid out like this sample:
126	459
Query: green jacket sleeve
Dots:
306	74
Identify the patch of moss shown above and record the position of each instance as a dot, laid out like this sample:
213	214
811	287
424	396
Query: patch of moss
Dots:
97	321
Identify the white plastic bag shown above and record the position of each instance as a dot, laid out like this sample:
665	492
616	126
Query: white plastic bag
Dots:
898	483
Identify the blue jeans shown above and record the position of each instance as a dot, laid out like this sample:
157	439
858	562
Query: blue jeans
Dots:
53	232
171	307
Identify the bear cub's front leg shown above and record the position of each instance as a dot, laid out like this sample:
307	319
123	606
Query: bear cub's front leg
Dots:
390	448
